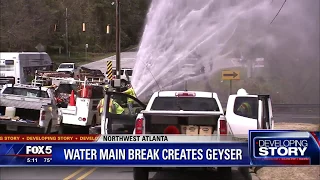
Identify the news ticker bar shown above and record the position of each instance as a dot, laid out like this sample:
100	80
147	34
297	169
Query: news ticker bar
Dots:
121	138
265	148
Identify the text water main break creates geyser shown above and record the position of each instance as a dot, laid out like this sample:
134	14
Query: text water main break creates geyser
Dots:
153	154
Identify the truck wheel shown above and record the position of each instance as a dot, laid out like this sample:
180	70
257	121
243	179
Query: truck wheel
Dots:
94	121
61	129
225	173
49	127
140	173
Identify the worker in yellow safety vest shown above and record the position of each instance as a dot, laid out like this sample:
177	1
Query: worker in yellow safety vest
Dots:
245	109
130	91
114	107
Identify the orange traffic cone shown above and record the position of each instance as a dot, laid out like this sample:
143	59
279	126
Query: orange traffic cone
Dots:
72	101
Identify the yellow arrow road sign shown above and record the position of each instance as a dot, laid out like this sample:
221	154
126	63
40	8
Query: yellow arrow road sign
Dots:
230	75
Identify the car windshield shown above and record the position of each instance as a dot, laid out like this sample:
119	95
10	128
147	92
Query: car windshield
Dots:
185	103
26	92
66	66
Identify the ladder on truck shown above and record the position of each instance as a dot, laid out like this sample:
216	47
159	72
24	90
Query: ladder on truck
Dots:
44	78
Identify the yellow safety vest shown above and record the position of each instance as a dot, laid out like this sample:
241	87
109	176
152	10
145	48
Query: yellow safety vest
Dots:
245	108
130	92
118	108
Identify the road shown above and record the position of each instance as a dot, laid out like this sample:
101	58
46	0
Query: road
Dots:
94	173
127	61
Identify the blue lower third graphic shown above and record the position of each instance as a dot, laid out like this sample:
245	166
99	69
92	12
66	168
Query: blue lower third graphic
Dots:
116	154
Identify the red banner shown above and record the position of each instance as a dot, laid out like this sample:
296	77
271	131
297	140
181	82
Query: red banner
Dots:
49	138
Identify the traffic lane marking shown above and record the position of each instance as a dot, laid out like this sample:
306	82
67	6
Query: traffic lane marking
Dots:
87	173
74	173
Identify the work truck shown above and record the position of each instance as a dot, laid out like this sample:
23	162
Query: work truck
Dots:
203	109
80	113
28	109
188	108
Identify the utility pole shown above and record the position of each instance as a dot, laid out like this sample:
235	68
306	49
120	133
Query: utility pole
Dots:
67	43
118	67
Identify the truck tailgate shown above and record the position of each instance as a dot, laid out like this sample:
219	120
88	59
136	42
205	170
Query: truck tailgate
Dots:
23	102
181	113
157	121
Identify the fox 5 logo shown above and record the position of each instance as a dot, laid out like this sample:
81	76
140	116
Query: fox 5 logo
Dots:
39	150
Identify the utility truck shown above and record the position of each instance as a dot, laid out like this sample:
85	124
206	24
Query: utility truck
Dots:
81	112
28	109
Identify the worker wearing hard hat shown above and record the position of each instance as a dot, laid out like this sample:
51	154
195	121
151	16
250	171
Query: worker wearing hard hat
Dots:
245	107
114	107
130	91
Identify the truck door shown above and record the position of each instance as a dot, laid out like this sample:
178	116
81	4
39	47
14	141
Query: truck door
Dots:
239	122
123	123
266	115
258	116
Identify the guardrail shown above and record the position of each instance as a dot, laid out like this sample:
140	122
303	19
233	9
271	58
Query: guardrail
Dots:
311	106
296	108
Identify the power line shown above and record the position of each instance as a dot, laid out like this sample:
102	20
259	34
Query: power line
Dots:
278	11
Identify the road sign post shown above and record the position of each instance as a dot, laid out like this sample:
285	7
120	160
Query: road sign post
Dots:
230	75
86	51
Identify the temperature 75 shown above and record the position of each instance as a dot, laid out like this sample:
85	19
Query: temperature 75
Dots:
47	160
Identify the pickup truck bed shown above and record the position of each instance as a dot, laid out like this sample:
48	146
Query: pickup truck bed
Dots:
156	124
29	106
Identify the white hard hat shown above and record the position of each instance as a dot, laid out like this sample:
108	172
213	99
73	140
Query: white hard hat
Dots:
242	92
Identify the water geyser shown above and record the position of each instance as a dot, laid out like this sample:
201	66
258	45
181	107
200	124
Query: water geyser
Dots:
190	39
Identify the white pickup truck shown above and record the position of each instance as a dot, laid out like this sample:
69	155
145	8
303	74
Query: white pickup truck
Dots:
28	109
69	68
185	108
